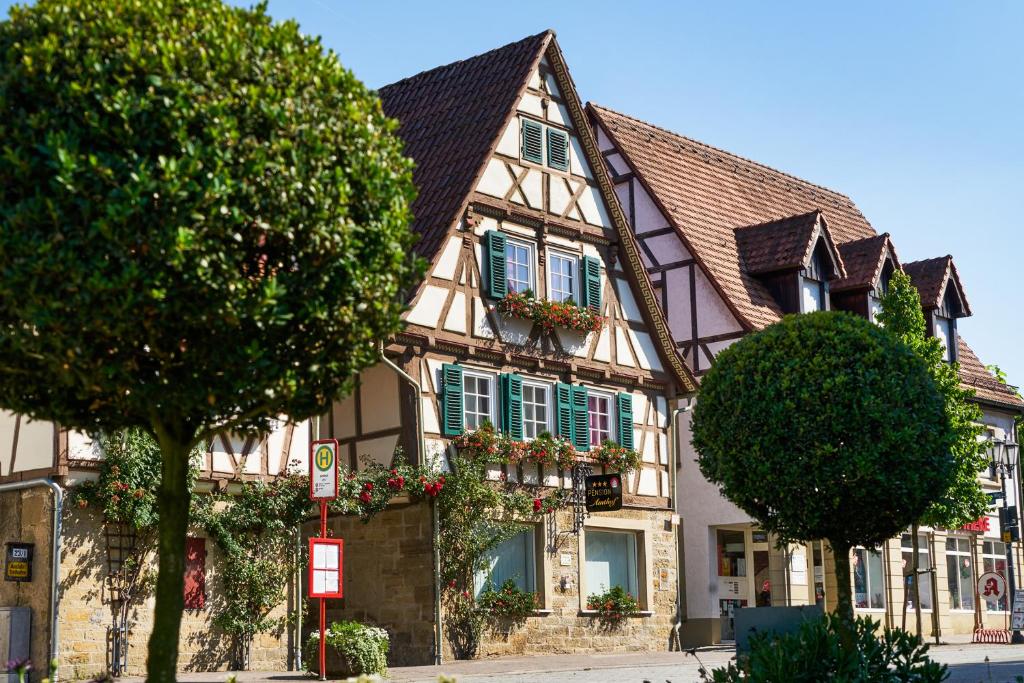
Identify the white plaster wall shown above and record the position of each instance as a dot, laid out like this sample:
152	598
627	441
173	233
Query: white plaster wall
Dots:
713	316
455	321
378	393
445	268
667	248
428	309
648	216
35	443
677	286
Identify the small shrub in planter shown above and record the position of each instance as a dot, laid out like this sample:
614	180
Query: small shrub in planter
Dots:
815	653
613	606
616	458
509	601
362	649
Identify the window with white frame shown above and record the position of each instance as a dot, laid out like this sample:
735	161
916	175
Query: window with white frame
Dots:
610	561
993	558
515	559
519	266
868	579
944	332
599	414
536	410
960	573
478	399
562	276
923	562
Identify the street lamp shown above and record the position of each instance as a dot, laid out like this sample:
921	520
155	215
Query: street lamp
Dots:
1005	454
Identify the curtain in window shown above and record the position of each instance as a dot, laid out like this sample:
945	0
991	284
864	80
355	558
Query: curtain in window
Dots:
611	561
513	559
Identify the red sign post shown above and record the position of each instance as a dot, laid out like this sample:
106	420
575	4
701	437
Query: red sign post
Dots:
325	554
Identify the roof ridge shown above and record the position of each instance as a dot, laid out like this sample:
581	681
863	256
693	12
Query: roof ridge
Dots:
790	217
719	150
449	65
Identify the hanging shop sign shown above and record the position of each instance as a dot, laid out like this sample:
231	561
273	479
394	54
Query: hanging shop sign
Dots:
604	492
323	469
18	562
991	586
325	567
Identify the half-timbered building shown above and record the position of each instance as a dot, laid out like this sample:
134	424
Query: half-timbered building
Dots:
731	246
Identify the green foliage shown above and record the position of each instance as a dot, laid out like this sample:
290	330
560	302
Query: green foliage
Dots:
255	529
616	458
815	653
824	426
368	491
964	500
203	216
129	476
613	606
364	649
509	601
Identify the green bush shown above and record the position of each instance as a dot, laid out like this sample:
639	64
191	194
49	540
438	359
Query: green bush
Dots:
613	606
814	653
508	601
363	649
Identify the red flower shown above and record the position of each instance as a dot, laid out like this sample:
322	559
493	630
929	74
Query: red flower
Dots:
451	584
368	486
537	504
82	502
365	497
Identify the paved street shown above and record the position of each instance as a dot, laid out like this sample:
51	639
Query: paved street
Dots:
967	665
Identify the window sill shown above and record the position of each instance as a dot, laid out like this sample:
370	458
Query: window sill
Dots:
594	613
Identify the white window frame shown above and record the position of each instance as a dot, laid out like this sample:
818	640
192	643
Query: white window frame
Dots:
493	379
531	256
644	559
549	405
993	556
574	273
809	283
867	578
923	548
943	331
971	584
612	432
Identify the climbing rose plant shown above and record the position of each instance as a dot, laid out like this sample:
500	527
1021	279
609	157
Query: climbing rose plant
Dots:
613	606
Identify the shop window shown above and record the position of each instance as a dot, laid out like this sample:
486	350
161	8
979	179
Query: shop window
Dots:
923	562
536	410
993	558
562	275
514	559
599	411
478	399
960	573
868	579
610	561
195	573
732	556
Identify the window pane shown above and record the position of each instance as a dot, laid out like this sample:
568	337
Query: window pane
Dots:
476	396
513	559
519	265
599	414
811	294
876	582
860	578
953	583
535	410
563	274
611	561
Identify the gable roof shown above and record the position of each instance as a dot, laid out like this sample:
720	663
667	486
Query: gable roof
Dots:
785	244
450	118
864	259
706	193
930	277
974	375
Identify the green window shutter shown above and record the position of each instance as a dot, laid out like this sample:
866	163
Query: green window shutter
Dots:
580	419
451	400
563	411
624	403
512	405
496	282
533	136
558	149
591	289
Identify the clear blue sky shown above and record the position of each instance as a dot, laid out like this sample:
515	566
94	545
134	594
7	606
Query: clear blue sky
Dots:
914	110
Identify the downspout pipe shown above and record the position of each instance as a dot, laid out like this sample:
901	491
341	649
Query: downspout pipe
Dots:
58	507
438	631
674	488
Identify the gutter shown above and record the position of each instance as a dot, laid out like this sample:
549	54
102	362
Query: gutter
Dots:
674	488
58	505
436	524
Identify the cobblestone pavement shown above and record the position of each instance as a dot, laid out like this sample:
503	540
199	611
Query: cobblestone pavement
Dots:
967	665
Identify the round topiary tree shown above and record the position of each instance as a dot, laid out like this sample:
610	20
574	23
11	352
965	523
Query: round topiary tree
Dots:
824	426
203	226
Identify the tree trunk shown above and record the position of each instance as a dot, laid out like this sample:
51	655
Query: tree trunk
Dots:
915	544
844	607
173	500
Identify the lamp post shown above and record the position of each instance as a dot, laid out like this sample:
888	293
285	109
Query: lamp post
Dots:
1006	452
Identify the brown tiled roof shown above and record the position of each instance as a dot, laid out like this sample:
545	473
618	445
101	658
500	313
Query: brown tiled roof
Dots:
974	375
929	276
863	259
450	119
783	244
707	193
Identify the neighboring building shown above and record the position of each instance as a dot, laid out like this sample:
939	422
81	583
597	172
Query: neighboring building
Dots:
731	246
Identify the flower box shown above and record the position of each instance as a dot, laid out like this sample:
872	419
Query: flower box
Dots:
550	314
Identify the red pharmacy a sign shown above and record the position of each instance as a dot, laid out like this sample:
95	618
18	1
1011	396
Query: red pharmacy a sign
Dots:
325	563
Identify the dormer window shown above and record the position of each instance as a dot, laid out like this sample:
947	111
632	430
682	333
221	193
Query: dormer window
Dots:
880	290
945	325
813	283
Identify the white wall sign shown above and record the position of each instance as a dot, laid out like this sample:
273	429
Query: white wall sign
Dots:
323	469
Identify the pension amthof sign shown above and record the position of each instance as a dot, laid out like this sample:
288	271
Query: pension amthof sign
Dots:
323	469
604	492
